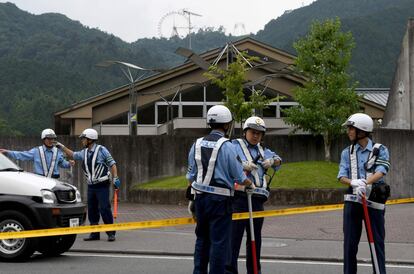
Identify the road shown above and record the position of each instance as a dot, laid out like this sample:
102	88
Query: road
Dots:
304	243
111	263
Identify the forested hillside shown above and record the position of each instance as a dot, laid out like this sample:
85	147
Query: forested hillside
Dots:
377	26
48	61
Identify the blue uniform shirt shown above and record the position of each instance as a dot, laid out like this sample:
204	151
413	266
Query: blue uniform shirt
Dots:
103	157
362	156
34	155
254	151
227	170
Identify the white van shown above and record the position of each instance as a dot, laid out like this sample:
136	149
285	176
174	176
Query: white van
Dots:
29	201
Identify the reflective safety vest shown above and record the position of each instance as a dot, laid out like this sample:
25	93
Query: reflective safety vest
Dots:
48	170
206	150
260	187
94	172
369	166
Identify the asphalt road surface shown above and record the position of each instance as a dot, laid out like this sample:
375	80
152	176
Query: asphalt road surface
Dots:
93	263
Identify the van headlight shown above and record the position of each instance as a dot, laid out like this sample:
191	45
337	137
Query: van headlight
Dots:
48	197
78	197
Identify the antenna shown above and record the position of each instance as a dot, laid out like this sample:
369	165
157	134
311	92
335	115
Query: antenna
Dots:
190	27
239	29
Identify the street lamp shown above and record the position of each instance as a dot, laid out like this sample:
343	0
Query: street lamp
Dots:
140	73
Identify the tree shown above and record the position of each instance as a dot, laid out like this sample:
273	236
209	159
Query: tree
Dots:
232	81
328	96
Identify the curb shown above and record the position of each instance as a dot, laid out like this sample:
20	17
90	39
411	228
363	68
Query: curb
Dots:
278	196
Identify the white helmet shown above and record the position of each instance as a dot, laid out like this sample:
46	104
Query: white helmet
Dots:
48	133
219	115
360	121
89	133
256	123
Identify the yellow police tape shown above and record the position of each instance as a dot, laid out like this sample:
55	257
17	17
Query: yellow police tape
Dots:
173	222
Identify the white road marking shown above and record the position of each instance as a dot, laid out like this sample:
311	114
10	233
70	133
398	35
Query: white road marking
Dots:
168	257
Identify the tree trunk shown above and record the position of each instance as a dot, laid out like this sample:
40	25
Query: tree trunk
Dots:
327	145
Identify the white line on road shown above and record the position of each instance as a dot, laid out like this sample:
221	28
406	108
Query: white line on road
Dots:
275	261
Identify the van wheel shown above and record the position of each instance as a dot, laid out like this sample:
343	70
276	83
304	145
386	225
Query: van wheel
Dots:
56	245
15	249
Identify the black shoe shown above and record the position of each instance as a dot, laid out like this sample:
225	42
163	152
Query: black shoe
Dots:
111	238
92	237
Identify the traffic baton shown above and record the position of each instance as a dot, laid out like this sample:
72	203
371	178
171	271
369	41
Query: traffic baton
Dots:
370	236
253	240
116	203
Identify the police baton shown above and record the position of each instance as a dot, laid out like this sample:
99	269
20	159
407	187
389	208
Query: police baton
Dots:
370	236
252	238
116	203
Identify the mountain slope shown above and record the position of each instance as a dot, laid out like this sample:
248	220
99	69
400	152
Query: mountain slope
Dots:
48	61
377	26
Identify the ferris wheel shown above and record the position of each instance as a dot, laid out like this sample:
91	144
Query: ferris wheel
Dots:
176	24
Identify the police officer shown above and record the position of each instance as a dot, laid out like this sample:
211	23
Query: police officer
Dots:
98	164
213	170
46	158
256	160
363	166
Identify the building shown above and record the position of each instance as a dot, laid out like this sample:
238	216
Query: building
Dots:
177	100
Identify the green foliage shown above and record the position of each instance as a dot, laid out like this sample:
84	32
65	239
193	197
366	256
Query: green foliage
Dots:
56	56
313	174
328	97
48	62
378	27
232	80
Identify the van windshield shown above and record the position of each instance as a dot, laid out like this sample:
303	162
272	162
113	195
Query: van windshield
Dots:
7	165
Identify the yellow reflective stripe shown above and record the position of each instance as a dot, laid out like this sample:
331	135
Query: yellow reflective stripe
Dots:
174	221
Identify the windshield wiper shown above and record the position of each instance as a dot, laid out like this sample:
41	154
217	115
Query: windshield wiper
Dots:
11	169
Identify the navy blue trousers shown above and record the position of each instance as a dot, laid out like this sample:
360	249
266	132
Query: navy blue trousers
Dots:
213	231
353	218
240	226
99	204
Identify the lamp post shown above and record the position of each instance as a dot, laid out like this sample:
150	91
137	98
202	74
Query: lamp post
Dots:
133	106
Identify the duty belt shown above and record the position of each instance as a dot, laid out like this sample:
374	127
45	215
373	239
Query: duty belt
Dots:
212	189
357	199
99	180
258	191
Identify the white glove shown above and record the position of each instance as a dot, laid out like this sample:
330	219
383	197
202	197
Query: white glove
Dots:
191	208
248	166
358	182
250	188
361	191
59	145
268	163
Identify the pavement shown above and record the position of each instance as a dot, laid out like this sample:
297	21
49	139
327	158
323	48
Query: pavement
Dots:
311	236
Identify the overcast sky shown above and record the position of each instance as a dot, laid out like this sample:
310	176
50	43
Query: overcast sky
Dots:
134	19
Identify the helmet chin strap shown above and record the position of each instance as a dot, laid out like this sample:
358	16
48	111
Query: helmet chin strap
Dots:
88	143
44	142
357	131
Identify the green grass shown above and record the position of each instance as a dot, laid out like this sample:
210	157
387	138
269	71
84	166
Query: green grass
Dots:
312	174
173	182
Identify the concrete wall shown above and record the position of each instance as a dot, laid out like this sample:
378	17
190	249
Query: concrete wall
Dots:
399	112
143	158
401	149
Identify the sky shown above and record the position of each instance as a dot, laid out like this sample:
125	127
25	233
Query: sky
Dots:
131	20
